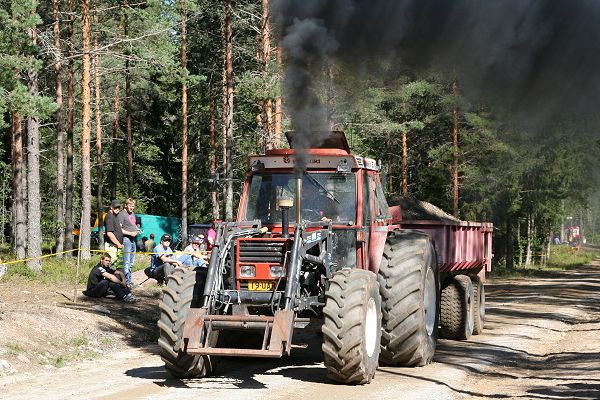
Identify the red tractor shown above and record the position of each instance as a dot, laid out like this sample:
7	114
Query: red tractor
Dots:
316	246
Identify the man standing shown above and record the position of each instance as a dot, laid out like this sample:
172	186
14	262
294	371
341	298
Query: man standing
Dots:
129	228
150	244
163	261
113	239
102	278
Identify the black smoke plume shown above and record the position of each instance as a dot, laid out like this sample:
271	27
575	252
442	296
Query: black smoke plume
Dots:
539	61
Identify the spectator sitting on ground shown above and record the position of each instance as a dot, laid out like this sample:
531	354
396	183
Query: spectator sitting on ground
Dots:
102	278
192	255
163	262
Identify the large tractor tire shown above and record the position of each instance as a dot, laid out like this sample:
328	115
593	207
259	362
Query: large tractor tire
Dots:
182	289
479	291
409	286
457	309
352	326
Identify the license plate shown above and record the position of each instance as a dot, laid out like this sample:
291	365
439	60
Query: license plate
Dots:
261	285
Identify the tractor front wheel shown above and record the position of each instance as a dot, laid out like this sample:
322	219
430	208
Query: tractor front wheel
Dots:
177	299
352	327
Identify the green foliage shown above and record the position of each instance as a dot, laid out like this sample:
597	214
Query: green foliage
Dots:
508	172
562	258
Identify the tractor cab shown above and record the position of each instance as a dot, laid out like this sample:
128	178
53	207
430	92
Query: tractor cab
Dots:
336	187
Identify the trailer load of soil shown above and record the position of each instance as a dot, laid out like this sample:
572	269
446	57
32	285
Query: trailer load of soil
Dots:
413	209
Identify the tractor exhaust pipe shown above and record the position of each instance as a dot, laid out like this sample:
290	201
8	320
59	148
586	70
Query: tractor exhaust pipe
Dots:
298	199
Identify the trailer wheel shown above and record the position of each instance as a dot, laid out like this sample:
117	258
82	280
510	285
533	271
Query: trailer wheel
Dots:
457	309
178	296
479	318
409	286
352	326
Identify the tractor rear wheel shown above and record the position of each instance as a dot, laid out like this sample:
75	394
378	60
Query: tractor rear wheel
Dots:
479	291
409	287
352	326
457	309
178	296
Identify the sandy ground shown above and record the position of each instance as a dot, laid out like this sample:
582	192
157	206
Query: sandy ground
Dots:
541	342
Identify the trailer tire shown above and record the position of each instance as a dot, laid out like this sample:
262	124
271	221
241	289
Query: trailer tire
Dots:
179	294
479	292
409	286
457	309
352	326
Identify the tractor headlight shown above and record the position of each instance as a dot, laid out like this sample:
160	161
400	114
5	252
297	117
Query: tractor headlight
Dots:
277	271
247	271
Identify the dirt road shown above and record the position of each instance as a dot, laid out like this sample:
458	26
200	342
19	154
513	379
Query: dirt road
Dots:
541	342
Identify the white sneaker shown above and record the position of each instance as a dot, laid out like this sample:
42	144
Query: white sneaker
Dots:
129	298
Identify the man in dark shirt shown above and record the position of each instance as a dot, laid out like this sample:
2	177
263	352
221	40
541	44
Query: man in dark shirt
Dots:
102	278
113	239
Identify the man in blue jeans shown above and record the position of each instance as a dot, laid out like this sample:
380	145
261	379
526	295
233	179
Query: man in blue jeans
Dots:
129	228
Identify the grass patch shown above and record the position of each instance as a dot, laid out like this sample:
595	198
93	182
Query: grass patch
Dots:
80	340
562	258
60	361
107	340
14	349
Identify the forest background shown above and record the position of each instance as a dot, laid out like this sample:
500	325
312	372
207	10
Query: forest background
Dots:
485	110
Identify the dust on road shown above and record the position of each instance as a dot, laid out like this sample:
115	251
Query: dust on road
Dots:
541	342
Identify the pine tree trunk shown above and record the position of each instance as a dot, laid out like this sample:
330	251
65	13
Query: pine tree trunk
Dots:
510	250
86	191
228	112
278	106
389	175
114	145
455	147
404	163
128	110
519	247
70	122
184	128
19	223
267	103
99	166
34	201
60	135
528	254
330	97
212	128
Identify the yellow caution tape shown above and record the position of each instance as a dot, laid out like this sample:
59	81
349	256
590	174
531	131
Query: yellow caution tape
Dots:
91	251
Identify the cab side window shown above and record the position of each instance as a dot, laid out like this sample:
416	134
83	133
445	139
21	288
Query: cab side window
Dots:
381	207
366	199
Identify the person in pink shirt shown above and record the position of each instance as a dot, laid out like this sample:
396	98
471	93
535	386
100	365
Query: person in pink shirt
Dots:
211	236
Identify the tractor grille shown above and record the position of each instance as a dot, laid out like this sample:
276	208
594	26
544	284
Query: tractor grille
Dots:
252	251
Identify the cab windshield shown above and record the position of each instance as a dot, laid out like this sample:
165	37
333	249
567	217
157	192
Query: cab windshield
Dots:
325	195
